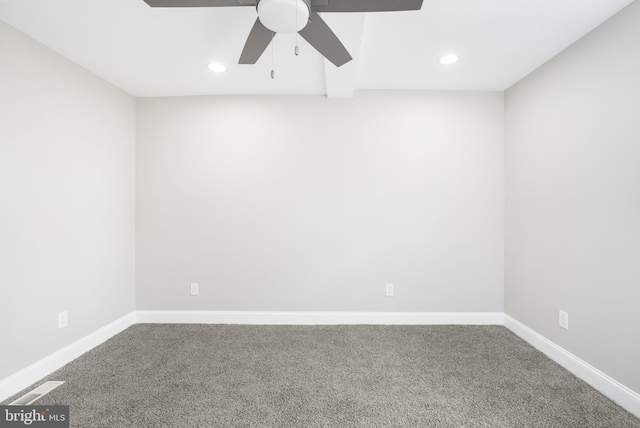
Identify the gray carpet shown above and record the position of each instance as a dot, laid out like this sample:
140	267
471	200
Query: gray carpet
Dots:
194	375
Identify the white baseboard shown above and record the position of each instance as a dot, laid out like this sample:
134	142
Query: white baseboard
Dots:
18	381
320	318
608	386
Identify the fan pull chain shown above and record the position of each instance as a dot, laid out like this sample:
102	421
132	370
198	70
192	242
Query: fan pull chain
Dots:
273	72
296	50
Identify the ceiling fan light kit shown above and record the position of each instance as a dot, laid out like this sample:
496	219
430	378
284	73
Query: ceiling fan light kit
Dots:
296	16
283	16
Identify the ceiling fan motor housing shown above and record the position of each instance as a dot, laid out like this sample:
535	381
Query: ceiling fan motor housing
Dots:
284	16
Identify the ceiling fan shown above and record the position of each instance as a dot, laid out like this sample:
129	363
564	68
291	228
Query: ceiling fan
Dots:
296	16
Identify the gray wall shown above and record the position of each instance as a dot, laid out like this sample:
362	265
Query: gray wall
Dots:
67	158
304	203
573	198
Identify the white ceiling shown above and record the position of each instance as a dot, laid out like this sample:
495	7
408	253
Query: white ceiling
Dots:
164	51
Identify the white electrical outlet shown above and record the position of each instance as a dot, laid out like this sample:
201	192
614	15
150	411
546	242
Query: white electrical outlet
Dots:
563	320
389	290
63	319
195	289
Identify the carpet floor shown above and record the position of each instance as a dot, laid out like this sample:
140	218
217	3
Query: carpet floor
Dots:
196	375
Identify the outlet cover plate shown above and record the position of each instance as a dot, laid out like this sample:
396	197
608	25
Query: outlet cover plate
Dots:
63	319
195	289
389	290
563	320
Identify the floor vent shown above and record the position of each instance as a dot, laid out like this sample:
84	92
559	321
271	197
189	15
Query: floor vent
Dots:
37	393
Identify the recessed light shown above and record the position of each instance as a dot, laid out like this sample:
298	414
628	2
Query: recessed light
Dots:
217	67
448	59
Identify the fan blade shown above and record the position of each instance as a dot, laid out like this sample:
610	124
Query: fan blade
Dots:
320	36
258	40
199	3
368	5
